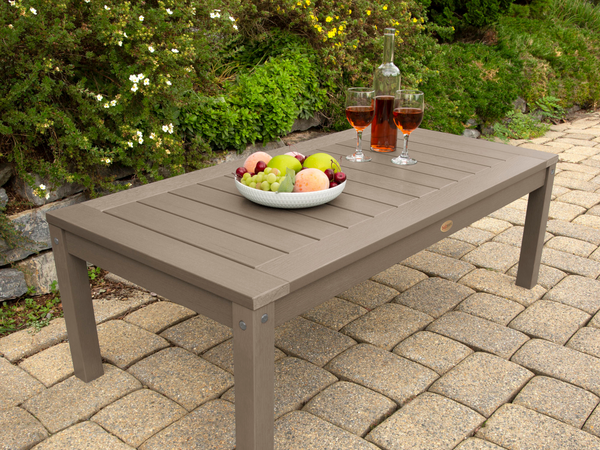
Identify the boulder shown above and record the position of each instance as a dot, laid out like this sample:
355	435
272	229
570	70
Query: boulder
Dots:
5	173
39	272
12	284
305	124
471	133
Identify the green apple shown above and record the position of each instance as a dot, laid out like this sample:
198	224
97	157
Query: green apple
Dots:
322	161
283	162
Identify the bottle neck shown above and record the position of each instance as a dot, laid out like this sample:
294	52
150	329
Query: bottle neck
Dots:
388	45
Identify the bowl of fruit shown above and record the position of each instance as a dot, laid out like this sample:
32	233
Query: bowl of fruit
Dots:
290	181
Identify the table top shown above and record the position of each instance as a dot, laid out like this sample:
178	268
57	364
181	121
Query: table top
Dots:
198	228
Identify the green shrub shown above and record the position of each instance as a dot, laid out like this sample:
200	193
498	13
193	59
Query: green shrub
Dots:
87	84
520	126
467	14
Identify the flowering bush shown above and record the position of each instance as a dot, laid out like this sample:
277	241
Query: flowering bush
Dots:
88	84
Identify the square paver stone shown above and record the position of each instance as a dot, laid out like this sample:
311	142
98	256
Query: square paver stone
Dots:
382	371
451	247
548	277
19	430
479	334
159	316
482	382
557	399
434	296
501	285
571	245
198	334
138	416
399	277
592	425
477	444
514	427
586	340
83	436
473	236
369	294
352	407
550	320
570	263
588	220
512	215
222	355
563	363
296	382
111	308
494	255
182	376
209	427
490	224
574	231
490	307
311	341
564	211
23	343
124	344
433	350
576	291
73	400
50	366
436	265
428	422
16	385
301	430
335	313
387	325
581	198
514	236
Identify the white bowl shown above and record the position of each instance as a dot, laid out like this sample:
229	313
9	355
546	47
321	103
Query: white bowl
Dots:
289	200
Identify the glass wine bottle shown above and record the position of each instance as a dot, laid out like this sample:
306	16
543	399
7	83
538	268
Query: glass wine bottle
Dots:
386	81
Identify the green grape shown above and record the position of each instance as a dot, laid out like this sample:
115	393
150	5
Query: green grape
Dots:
271	178
254	178
246	176
260	177
268	170
252	184
265	186
275	186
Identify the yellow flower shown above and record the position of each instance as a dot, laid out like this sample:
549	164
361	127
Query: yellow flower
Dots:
341	28
397	32
299	3
354	46
349	11
331	33
319	29
368	12
385	7
308	2
414	20
329	19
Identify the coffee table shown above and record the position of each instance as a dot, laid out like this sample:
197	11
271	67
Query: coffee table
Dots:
196	241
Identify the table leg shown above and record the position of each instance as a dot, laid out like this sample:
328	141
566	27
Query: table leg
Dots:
533	235
76	299
253	341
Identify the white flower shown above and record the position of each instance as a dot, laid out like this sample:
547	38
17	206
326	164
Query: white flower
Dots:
169	11
167	152
42	187
47	196
11	2
151	49
165	128
106	105
87	1
139	133
152	135
170	128
120	43
141	18
215	14
146	82
33	10
235	27
128	185
113	103
232	19
125	34
99	97
130	144
106	8
106	161
134	87
141	140
133	78
168	82
174	50
10	25
140	76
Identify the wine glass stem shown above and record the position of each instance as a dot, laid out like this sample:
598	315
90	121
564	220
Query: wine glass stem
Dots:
404	153
359	152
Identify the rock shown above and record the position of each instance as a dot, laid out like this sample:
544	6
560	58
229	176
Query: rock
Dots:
573	109
3	198
12	283
32	224
471	133
24	190
472	123
520	104
40	272
488	131
305	124
5	173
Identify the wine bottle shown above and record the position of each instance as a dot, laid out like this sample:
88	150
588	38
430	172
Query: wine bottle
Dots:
386	81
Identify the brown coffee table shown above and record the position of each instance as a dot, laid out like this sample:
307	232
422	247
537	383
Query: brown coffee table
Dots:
196	241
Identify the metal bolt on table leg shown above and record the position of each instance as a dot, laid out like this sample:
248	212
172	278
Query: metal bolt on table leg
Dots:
243	325
264	318
56	240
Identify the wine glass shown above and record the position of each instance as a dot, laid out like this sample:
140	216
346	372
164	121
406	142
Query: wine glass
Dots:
359	112
408	114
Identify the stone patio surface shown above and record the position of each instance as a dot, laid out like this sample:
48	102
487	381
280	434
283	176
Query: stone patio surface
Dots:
439	352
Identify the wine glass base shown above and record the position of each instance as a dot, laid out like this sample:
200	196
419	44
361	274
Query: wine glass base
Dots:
358	158
404	161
